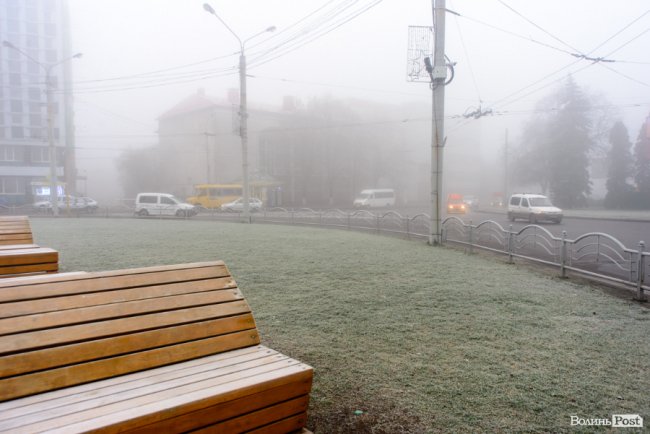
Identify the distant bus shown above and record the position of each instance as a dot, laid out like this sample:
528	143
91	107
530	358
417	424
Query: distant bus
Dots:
215	195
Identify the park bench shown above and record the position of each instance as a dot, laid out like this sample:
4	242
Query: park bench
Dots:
15	230
156	349
27	258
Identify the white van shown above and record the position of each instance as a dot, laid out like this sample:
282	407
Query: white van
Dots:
162	204
533	207
375	198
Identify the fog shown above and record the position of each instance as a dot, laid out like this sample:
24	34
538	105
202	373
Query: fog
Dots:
142	58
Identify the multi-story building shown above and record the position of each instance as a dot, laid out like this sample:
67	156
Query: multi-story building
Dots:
34	36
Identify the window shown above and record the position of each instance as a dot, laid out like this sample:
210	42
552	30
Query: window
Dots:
17	132
515	200
167	200
40	154
524	202
10	153
14	66
148	199
36	133
32	67
14	79
12	185
34	94
16	106
35	107
35	121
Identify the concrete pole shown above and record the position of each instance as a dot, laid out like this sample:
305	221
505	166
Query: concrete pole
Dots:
438	115
243	131
54	199
505	172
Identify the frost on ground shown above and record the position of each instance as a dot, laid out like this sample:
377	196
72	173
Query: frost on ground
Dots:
403	337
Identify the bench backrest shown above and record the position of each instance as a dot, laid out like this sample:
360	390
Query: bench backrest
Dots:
15	230
62	330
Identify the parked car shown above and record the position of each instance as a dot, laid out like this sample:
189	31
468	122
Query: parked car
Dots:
162	204
254	204
91	204
533	207
63	203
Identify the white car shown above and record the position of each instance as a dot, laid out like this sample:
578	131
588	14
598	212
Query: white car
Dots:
64	202
154	204
533	207
254	204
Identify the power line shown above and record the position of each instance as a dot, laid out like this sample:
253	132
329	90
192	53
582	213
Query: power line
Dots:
292	47
469	64
539	27
619	32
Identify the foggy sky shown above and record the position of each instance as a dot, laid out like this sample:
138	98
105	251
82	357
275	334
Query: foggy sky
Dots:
364	59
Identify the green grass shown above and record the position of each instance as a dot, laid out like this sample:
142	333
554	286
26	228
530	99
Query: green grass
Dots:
419	339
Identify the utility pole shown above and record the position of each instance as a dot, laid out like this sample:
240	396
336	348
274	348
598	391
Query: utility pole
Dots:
243	131
438	77
207	156
505	170
243	109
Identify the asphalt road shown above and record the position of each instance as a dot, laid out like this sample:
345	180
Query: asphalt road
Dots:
627	232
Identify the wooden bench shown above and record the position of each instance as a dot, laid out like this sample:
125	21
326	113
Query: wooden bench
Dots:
15	230
157	349
27	258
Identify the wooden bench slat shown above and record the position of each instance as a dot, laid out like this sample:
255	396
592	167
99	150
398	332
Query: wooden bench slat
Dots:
290	424
23	385
169	402
31	307
18	246
116	310
94	283
24	362
136	379
50	267
77	333
210	415
142	392
260	418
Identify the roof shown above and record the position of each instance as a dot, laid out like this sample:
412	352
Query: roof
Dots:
196	102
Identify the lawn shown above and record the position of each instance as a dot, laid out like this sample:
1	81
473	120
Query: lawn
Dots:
404	337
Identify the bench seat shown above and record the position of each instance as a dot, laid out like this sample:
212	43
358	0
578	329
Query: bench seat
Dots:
167	349
15	230
235	391
28	258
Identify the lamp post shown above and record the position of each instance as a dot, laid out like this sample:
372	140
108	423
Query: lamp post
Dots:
243	110
54	200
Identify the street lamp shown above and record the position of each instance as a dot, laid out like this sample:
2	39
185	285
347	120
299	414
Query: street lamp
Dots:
50	129
243	113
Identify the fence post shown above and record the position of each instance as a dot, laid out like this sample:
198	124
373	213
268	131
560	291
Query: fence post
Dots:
408	228
471	237
377	215
320	219
292	219
510	242
640	272
563	256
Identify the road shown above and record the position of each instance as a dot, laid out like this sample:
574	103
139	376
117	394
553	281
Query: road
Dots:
627	232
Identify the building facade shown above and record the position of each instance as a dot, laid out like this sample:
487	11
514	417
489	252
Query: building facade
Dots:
34	36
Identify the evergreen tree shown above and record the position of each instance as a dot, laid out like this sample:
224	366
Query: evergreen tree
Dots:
620	167
556	146
642	158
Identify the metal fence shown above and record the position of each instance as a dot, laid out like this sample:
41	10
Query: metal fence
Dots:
595	254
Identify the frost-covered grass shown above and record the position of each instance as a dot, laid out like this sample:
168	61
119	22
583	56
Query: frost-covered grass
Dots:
420	339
